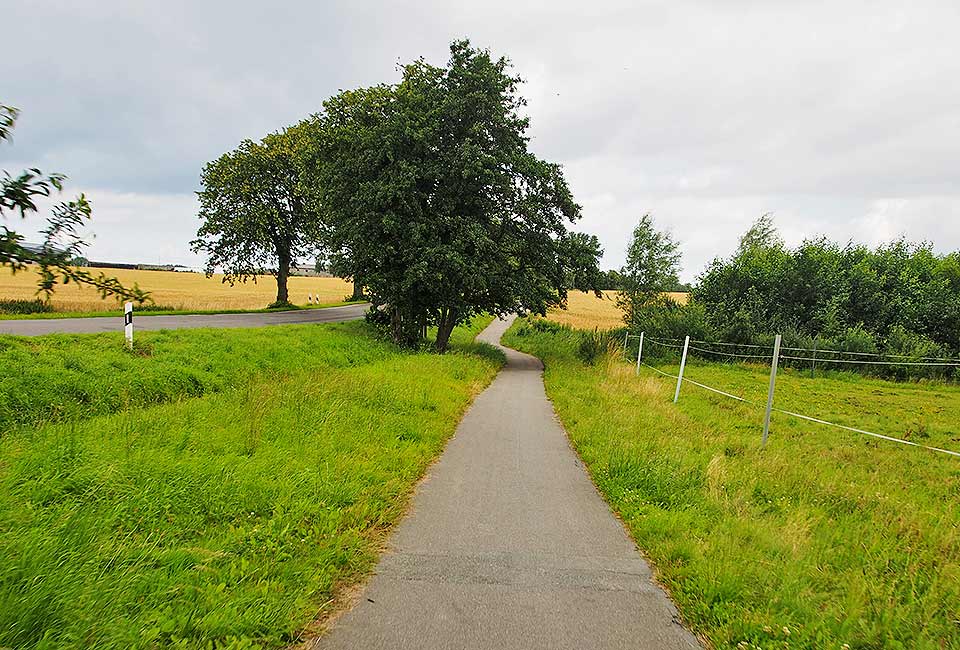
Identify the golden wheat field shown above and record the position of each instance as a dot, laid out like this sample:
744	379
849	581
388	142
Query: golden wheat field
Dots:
586	311
188	291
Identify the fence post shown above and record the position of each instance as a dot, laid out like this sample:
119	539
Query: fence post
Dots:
813	369
773	383
626	335
683	363
128	323
639	352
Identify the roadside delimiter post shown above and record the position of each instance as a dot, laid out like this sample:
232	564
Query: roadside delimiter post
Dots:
128	323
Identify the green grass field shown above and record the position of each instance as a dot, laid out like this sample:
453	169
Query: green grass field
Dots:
64	376
216	490
824	538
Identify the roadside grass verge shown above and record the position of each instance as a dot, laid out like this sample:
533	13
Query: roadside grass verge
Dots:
228	520
824	538
162	310
68	376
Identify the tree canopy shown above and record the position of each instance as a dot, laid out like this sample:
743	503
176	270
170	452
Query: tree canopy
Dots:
430	191
653	262
826	290
62	241
258	211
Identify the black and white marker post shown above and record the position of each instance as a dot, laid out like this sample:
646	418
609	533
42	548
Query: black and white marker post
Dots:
128	323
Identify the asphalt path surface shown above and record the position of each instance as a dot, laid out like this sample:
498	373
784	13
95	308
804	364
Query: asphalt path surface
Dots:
40	326
509	545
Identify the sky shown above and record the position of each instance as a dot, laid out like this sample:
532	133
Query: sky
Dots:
840	118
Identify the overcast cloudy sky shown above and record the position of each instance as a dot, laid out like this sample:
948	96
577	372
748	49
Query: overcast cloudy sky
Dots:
841	118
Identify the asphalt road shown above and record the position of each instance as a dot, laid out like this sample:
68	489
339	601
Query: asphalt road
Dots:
37	327
509	545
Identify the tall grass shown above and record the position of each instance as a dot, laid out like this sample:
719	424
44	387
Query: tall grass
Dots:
231	519
821	539
52	378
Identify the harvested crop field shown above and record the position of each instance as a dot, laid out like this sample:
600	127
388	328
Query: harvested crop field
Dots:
186	291
587	311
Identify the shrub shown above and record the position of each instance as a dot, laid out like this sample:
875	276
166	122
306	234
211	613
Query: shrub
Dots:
547	326
35	306
665	318
591	347
913	347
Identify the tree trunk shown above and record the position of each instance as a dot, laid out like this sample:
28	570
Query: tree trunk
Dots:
357	287
448	317
283	272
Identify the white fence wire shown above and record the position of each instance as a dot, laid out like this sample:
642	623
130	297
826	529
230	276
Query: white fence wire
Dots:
772	358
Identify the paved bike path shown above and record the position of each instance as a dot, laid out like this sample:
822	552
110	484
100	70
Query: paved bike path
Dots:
509	545
40	326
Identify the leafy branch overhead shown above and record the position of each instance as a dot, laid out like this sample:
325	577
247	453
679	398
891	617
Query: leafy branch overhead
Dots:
62	243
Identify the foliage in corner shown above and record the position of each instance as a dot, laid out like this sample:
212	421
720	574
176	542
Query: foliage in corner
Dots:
62	242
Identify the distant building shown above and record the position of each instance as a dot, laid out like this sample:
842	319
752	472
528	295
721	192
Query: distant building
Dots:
309	271
39	248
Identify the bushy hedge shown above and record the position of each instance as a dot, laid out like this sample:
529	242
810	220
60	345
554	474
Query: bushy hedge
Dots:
900	302
895	296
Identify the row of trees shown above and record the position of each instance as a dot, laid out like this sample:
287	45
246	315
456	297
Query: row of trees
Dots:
823	289
901	298
424	192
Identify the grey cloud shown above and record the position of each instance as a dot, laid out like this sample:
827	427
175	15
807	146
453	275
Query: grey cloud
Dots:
841	118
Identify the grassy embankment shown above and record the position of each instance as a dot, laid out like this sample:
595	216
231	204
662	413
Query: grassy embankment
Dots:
216	489
155	310
824	538
176	292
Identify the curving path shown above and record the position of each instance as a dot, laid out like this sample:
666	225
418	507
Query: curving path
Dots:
509	545
40	326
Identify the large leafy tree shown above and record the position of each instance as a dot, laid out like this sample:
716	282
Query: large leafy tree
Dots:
62	242
432	193
653	262
257	209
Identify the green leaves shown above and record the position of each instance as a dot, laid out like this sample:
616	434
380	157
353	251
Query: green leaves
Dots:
62	243
901	291
653	261
257	208
430	192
